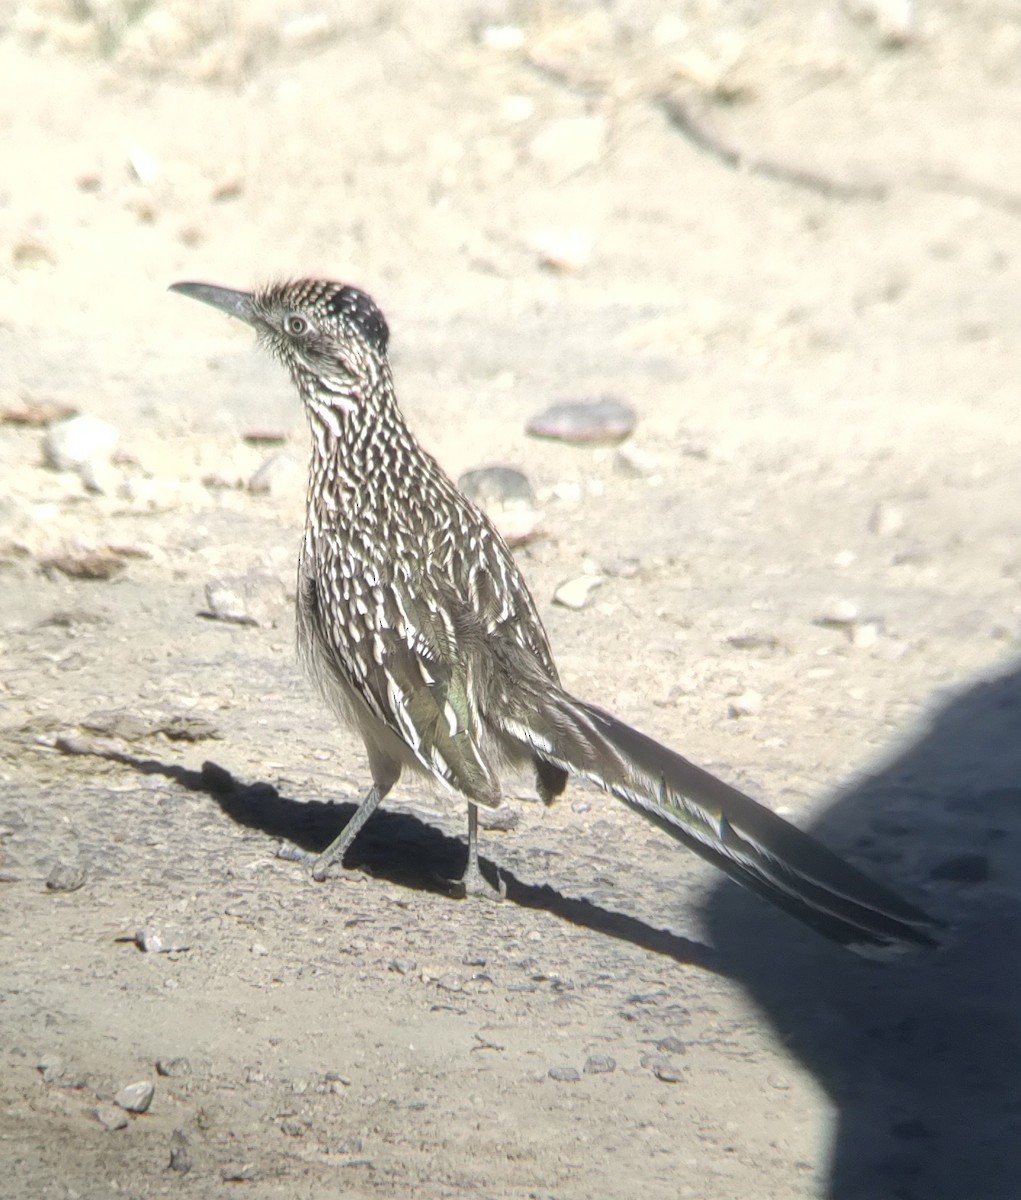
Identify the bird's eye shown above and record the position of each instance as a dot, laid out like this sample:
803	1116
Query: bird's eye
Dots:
295	324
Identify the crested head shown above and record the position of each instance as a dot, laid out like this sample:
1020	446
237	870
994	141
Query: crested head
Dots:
332	337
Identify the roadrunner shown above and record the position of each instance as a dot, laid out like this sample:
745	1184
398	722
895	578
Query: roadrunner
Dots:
419	630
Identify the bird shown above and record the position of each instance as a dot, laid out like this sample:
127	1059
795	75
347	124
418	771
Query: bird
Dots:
417	627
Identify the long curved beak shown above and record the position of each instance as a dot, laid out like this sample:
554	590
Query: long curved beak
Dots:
233	303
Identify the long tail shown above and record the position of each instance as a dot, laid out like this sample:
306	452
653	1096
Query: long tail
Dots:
729	829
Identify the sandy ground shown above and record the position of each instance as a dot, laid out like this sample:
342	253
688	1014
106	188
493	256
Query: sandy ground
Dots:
820	338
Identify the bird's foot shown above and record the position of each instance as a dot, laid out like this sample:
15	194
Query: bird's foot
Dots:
474	883
324	866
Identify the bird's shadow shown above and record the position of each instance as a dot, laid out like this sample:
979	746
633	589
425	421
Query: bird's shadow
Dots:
922	1058
405	850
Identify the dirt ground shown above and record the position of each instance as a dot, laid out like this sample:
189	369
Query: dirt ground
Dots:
790	238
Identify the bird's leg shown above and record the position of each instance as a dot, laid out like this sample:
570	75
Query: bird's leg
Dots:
335	851
473	882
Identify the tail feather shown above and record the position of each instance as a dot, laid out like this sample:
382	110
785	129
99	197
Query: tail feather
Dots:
746	840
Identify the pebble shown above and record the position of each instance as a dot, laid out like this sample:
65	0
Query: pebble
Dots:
839	612
135	1097
672	1045
175	1067
241	600
585	422
505	38
110	1117
345	1145
143	166
663	1069
865	636
563	249
77	440
96	565
59	1073
33	412
600	1064
403	966
569	144
497	487
279	474
746	705
66	877
160	941
577	593
180	1155
564	1074
886	520
239	1173
499	820
508	499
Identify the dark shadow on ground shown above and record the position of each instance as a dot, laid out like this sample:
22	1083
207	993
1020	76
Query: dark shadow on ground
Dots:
921	1058
402	848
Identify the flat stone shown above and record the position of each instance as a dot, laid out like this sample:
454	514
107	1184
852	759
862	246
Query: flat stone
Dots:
110	1117
136	1097
77	440
585	422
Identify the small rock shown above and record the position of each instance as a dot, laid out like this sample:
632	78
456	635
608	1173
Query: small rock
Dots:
32	412
563	249
175	1067
839	612
564	1074
962	868
110	1117
32	251
865	636
577	593
672	1045
180	1156
307	29
242	600
279	474
345	1145
161	941
497	487
499	820
886	520
403	966
508	499
778	1081
600	1064
746	705
135	1097
570	144
143	166
585	422
56	1072
66	877
239	1173
505	38
77	440
664	1070
95	565
227	187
